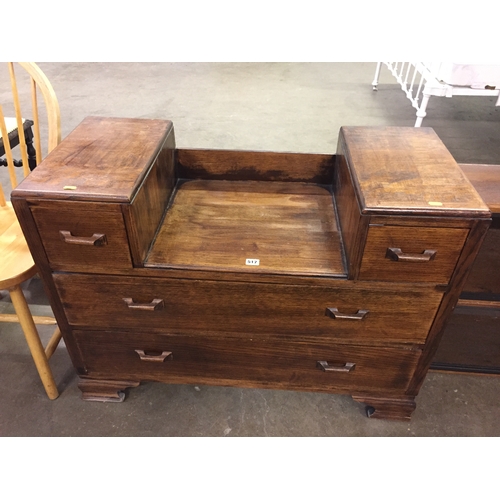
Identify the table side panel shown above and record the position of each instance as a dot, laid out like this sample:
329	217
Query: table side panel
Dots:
353	225
213	164
144	215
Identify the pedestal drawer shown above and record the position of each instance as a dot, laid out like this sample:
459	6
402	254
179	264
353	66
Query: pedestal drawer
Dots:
411	254
78	236
248	362
349	311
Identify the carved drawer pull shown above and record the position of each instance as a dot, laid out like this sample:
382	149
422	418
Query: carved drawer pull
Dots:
397	254
347	367
96	240
154	358
334	313
154	305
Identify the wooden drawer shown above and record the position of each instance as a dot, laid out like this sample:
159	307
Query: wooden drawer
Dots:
176	305
411	254
81	236
245	362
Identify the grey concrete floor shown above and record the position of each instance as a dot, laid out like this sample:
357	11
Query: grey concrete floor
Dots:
273	106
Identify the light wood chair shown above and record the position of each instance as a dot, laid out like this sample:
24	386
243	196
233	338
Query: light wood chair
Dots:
16	263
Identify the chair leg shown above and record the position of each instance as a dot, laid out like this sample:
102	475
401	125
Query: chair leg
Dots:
34	342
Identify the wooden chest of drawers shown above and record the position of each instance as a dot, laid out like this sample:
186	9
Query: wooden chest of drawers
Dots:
312	272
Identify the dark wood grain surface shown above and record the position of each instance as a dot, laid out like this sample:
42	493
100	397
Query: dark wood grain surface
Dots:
208	307
82	220
471	339
486	180
246	363
469	252
408	170
484	278
144	214
254	166
354	226
288	227
103	159
446	243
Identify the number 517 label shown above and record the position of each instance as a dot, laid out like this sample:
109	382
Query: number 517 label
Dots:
252	262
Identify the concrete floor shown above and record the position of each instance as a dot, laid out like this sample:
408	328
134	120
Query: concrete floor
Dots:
272	106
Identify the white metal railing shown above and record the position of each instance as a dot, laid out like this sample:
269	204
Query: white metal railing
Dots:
419	83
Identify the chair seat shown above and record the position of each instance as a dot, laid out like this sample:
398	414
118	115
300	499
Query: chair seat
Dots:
16	264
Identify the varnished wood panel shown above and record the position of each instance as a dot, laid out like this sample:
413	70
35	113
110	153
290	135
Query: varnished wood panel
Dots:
103	159
254	166
289	227
413	221
82	220
247	363
486	180
408	170
458	279
447	243
353	225
144	215
484	277
208	307
471	341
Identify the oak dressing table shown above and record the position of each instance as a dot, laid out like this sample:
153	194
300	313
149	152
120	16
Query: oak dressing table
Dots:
312	272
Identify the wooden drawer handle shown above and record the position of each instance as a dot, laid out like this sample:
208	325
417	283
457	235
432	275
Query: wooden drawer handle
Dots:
347	367
334	313
154	305
397	254
96	240
154	358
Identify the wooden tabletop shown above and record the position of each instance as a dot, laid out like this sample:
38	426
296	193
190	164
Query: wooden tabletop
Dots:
287	227
103	159
486	180
408	170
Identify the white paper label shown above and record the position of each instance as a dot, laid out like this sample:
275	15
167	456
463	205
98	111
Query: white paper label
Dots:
252	262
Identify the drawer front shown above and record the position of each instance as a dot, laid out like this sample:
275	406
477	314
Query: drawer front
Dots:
411	254
81	236
346	312
229	361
